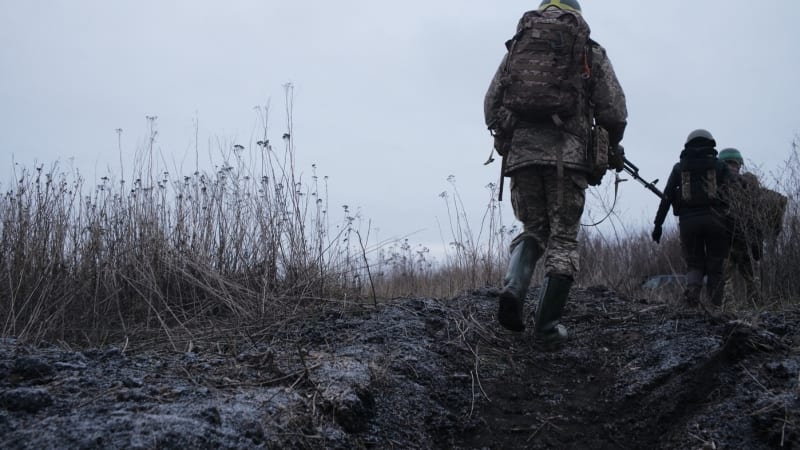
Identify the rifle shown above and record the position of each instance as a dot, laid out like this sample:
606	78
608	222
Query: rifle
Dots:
628	166
502	172
499	131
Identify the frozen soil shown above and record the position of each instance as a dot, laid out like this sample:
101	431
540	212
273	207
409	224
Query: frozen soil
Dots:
423	373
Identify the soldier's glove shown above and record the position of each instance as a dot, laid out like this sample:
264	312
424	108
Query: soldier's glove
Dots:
616	158
657	234
502	129
502	143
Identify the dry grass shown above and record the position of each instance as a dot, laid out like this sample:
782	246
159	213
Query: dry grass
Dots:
163	255
247	242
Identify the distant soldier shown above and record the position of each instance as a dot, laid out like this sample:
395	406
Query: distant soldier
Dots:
757	214
696	190
745	239
552	93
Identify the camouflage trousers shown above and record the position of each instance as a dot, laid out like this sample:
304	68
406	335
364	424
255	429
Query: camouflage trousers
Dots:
739	261
550	209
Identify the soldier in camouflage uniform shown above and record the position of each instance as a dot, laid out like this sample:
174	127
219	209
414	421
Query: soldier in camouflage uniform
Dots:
547	164
758	219
747	238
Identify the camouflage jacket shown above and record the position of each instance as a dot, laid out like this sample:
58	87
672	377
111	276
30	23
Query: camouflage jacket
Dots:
744	207
757	211
542	143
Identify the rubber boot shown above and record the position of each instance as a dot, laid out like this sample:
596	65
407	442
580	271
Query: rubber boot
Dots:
692	294
515	285
752	292
716	293
553	296
694	287
715	281
751	285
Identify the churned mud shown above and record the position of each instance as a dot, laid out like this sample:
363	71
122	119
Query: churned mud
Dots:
424	373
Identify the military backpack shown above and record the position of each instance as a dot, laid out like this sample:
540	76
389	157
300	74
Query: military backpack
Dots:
699	186
547	65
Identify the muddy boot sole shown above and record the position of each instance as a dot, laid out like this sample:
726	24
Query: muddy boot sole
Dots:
509	313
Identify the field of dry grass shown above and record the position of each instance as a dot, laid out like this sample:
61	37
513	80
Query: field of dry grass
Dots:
96	260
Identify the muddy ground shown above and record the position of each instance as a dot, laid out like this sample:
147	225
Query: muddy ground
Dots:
424	373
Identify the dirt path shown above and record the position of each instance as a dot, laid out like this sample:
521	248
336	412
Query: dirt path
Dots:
639	375
422	373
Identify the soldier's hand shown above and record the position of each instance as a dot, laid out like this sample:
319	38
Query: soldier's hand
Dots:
502	145
616	158
657	234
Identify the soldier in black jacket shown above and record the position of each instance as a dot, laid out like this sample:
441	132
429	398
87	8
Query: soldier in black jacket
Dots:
696	190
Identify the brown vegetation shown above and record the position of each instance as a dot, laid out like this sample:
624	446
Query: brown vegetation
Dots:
252	241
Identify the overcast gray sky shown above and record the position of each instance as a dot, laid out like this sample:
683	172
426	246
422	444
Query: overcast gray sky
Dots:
388	95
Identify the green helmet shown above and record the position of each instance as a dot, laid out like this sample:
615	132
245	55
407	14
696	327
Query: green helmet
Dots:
569	5
700	134
731	154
